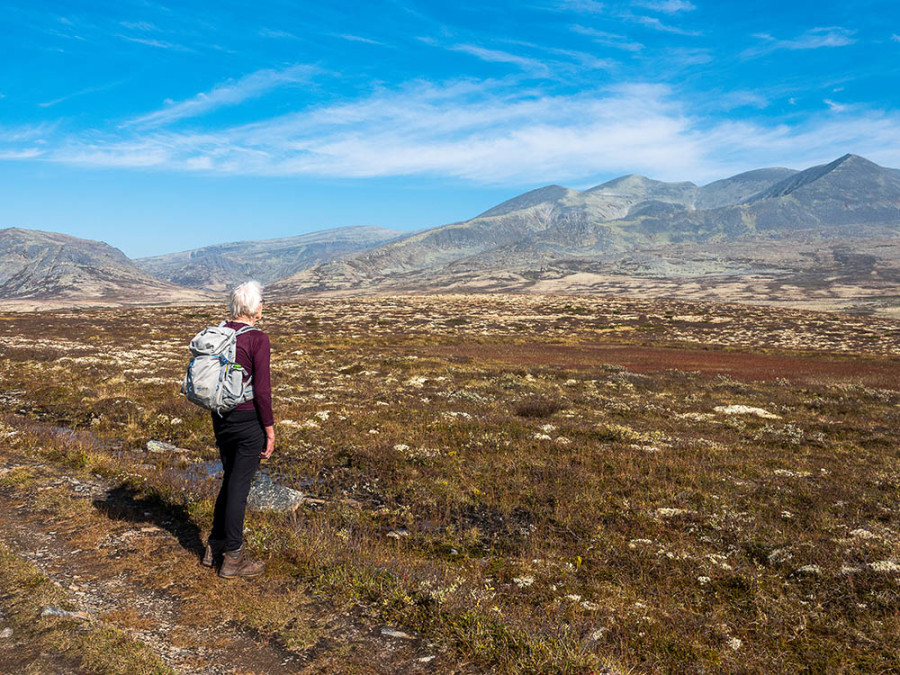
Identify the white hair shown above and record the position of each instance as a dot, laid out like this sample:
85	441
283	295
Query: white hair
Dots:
246	299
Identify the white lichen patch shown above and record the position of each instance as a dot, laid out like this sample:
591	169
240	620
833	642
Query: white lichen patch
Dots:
787	473
809	570
778	556
746	410
697	416
719	560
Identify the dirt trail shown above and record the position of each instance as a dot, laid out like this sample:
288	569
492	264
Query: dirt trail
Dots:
132	565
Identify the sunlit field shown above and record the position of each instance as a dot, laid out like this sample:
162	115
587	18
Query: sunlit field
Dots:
532	483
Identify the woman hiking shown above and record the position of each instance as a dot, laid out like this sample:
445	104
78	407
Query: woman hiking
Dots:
244	435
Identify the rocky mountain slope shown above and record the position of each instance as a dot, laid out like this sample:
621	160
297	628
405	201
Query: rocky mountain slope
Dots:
827	237
46	267
826	232
221	266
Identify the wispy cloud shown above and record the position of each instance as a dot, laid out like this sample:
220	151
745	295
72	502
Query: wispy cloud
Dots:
227	94
682	57
145	26
655	24
585	6
28	133
484	131
276	34
627	15
815	38
158	44
666	6
497	56
490	131
895	37
834	106
357	38
81	92
25	142
739	99
608	39
571	59
33	153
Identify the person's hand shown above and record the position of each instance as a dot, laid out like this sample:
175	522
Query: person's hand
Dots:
270	445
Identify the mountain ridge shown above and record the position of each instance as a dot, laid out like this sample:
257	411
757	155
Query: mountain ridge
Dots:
219	266
849	203
43	266
829	233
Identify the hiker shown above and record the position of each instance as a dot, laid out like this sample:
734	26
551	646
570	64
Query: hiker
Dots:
244	435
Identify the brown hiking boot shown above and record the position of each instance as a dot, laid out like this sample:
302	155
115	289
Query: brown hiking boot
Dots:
213	552
237	564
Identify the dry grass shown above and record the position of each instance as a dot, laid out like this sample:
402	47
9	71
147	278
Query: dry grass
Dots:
50	644
537	487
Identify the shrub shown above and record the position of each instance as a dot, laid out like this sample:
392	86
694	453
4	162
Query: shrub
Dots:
538	408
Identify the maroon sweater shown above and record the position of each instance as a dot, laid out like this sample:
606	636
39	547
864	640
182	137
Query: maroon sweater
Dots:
253	353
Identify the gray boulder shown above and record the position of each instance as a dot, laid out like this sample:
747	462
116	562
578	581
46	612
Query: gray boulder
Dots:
265	495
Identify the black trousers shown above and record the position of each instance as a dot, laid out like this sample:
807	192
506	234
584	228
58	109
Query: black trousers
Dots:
240	438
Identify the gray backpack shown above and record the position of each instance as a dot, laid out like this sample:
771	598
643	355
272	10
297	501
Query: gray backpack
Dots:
213	380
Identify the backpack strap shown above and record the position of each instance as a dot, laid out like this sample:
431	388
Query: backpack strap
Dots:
245	329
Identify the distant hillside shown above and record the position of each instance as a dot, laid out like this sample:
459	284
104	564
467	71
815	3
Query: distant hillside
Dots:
826	237
224	265
739	188
46	266
838	226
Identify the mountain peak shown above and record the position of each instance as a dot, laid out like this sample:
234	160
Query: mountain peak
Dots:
41	266
548	193
848	168
637	184
631	180
854	160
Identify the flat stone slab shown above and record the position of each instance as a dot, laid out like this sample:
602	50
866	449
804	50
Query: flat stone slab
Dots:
268	496
159	446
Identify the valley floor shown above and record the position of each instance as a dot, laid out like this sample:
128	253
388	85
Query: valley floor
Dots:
495	483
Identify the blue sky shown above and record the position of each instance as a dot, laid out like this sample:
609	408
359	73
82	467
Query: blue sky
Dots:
160	127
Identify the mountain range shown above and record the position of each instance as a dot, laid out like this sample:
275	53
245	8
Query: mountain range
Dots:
828	237
48	269
223	265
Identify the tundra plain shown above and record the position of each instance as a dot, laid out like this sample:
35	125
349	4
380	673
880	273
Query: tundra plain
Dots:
494	483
